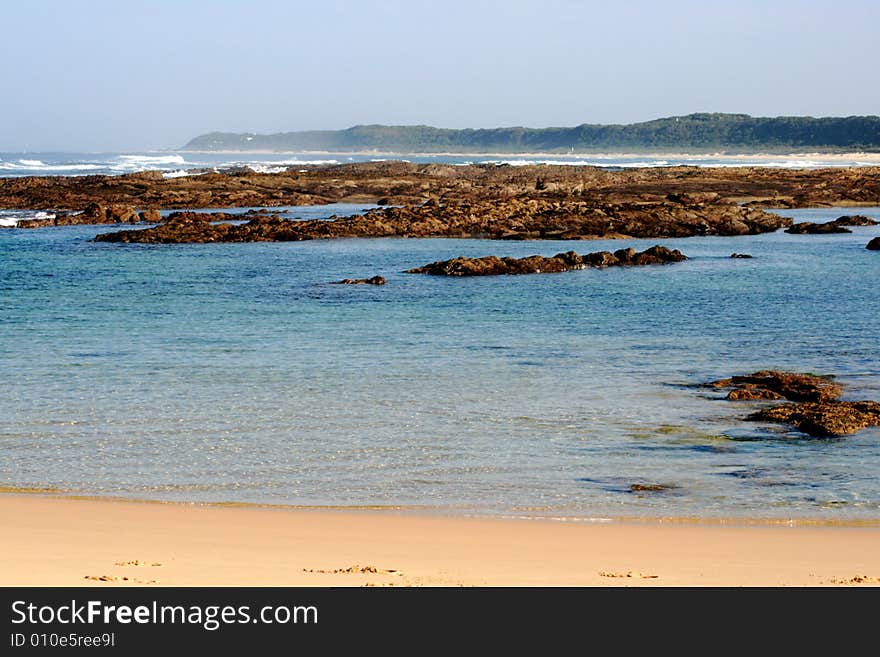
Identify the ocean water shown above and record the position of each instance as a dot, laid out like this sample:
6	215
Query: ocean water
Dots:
237	372
175	164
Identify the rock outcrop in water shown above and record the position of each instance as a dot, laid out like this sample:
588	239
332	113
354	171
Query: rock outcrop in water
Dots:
874	244
837	418
94	214
561	262
375	280
836	226
810	228
511	219
771	384
855	220
816	409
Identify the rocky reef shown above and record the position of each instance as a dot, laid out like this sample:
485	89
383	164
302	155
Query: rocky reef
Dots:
561	262
815	406
511	219
810	228
403	183
837	418
94	213
838	225
855	220
771	384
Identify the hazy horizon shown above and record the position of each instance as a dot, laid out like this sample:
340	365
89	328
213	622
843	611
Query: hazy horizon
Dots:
109	76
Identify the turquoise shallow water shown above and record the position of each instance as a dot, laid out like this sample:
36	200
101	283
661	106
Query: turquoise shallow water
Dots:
237	373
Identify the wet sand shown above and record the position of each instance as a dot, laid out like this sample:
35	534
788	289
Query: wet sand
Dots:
59	541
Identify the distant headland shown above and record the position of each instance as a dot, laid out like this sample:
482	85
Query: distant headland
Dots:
694	133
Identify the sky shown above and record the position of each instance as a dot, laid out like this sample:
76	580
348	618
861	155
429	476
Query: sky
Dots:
98	75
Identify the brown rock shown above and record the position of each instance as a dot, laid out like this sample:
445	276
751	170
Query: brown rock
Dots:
601	259
786	385
561	262
749	394
651	488
817	410
150	216
375	280
835	418
855	220
670	192
120	214
810	228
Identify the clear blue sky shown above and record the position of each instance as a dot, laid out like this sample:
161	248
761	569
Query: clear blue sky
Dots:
107	75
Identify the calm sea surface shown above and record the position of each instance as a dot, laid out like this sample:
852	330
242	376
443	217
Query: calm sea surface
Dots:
236	372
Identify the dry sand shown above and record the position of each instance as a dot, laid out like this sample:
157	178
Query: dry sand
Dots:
50	540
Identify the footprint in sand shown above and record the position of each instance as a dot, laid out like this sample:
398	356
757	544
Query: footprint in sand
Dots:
353	570
137	562
858	579
605	573
119	578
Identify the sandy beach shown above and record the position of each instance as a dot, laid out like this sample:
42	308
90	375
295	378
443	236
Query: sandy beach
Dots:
58	541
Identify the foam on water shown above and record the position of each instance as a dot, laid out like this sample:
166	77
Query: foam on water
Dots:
578	163
10	218
36	167
152	160
264	168
183	173
24	164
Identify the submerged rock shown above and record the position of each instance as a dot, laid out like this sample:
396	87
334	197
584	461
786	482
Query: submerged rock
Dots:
375	280
816	409
561	262
651	488
741	255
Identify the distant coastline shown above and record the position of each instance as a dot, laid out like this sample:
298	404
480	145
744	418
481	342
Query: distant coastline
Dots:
866	156
702	133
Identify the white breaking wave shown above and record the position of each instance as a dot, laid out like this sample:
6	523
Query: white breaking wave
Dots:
11	220
263	168
152	160
576	163
279	166
180	173
39	165
295	161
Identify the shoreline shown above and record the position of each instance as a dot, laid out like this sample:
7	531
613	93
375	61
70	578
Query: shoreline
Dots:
51	540
834	156
451	512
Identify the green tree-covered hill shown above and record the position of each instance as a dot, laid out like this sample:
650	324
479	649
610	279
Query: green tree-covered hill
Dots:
693	133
